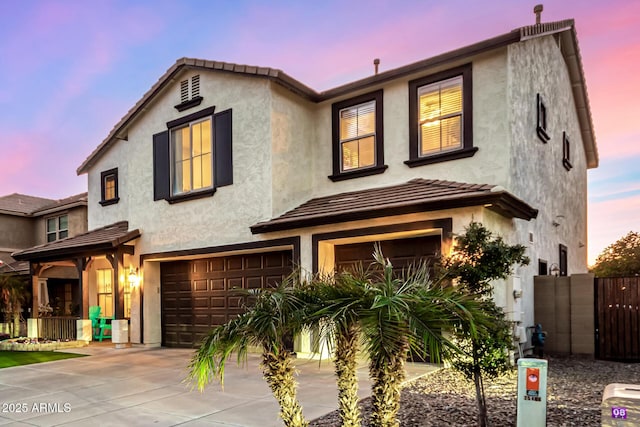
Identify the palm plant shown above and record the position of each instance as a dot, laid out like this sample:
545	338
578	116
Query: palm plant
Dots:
13	293
390	313
274	315
341	300
407	311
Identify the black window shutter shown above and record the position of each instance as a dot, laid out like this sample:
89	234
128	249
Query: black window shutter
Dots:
223	153
161	166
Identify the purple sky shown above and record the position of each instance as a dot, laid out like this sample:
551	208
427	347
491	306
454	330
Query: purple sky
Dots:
71	69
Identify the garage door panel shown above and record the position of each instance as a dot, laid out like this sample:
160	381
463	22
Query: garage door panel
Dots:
199	294
217	284
201	302
253	282
218	302
275	260
200	285
234	263
401	252
253	261
216	264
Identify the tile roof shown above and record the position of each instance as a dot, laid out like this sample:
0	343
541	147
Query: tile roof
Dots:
17	267
417	195
99	240
571	52
21	204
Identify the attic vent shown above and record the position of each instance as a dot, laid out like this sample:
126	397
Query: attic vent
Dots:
184	90
195	86
187	101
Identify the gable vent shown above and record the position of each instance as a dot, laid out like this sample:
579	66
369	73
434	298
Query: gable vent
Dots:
184	90
195	86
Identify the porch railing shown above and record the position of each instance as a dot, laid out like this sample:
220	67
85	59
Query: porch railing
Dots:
57	328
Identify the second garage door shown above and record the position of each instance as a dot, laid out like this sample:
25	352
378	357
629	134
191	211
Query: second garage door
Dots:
401	252
199	294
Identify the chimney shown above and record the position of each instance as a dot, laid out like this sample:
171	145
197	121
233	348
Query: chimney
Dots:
538	11
376	62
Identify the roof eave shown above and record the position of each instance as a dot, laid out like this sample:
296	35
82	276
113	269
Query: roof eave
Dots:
84	250
500	202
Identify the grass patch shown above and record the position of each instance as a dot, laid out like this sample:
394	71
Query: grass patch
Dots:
18	358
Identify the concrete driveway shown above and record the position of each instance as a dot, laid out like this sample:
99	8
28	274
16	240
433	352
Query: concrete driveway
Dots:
142	387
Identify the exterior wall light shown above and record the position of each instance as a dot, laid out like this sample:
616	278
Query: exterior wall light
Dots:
133	277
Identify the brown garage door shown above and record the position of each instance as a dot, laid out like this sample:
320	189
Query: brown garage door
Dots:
198	294
401	252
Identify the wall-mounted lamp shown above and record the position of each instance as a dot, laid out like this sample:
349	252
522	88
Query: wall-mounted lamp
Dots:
133	277
554	270
517	293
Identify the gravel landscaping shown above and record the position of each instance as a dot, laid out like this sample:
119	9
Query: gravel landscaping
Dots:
444	398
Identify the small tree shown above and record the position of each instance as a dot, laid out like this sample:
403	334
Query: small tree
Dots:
621	258
478	259
13	294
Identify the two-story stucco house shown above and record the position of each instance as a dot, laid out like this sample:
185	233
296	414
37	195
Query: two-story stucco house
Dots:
223	176
27	221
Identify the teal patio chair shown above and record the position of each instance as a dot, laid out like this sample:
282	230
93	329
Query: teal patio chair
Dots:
105	323
94	315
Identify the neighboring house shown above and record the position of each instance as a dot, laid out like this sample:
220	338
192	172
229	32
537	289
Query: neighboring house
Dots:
223	176
27	221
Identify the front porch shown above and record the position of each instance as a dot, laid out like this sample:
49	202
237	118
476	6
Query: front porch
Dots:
84	277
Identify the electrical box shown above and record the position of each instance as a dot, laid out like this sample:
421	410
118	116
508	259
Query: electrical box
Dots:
621	405
532	393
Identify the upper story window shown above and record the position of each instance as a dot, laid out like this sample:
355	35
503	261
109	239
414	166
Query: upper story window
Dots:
192	157
566	152
358	137
541	127
440	117
109	187
57	228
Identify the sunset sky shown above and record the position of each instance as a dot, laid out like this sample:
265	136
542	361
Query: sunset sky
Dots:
71	69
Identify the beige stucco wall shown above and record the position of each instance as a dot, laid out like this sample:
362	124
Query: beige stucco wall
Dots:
16	232
537	66
78	223
221	219
490	134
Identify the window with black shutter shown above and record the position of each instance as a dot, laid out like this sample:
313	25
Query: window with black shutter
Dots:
193	156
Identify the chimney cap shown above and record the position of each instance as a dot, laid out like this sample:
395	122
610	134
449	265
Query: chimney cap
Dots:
537	9
376	62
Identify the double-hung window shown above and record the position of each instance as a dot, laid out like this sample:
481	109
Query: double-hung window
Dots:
57	228
109	187
440	117
357	137
192	157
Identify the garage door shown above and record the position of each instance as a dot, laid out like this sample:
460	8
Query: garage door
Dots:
401	252
198	294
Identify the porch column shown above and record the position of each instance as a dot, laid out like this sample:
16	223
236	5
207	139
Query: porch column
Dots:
117	264
83	282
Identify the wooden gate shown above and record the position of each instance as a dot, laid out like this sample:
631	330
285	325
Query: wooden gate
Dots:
617	318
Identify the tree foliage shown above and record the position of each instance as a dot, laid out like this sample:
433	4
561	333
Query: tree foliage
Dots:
478	259
14	294
621	258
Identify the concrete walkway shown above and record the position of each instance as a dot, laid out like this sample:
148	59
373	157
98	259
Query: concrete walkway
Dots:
141	387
